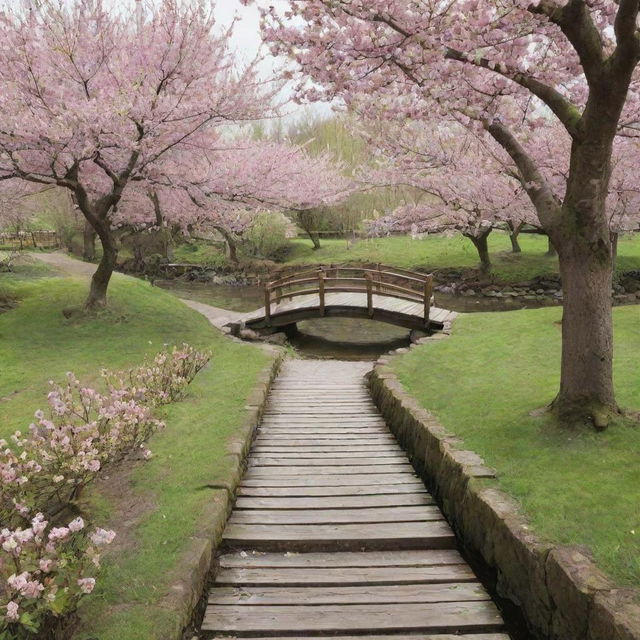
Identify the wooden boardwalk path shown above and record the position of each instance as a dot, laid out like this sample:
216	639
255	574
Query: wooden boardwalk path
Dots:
333	534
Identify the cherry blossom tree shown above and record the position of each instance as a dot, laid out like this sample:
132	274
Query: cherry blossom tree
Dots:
463	189
503	69
92	97
223	186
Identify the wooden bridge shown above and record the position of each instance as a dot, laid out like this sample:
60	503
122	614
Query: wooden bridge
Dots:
388	294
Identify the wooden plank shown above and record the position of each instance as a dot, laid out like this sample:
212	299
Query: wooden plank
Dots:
336	537
268	472
360	618
424	558
336	450
334	502
379	460
361	594
258	489
335	480
343	576
290	427
369	515
305	438
413	636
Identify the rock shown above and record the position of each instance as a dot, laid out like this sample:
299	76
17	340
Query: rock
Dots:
276	338
248	334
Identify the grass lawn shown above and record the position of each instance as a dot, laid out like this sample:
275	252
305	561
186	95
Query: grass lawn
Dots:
482	383
430	253
39	344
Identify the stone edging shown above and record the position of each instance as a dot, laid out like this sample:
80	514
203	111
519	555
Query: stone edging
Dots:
558	588
185	594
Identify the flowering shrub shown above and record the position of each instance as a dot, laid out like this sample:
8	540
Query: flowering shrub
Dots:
84	430
44	571
161	381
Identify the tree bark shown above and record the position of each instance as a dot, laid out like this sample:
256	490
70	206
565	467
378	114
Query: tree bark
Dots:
586	380
315	238
306	220
614	250
231	243
514	232
482	246
97	298
551	250
89	242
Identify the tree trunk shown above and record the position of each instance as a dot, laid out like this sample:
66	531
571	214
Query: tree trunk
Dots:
231	243
306	220
614	251
89	242
315	238
586	380
514	232
583	241
97	298
551	250
482	246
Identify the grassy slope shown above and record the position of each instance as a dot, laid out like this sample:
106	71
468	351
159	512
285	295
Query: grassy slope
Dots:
575	487
432	252
38	344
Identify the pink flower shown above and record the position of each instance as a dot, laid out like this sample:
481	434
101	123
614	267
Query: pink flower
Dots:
101	537
45	565
12	611
86	584
58	533
76	525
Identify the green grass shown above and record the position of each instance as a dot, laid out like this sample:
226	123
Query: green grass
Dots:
39	344
430	253
579	488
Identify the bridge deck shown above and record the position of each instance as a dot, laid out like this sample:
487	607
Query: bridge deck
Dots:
386	308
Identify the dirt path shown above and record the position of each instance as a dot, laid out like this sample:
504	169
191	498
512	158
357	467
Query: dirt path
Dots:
71	266
65	264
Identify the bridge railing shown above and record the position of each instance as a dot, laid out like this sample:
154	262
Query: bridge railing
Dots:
381	280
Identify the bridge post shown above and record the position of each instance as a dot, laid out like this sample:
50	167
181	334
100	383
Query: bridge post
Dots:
369	294
428	290
321	277
267	305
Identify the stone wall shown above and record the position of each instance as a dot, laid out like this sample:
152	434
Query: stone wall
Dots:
560	591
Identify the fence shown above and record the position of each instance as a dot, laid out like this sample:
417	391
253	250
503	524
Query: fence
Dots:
30	239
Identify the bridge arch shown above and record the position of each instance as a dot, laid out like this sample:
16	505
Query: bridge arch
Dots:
387	294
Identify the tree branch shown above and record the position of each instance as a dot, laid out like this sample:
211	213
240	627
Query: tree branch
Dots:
575	22
534	183
563	108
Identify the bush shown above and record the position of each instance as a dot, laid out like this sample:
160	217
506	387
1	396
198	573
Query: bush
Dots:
46	569
267	236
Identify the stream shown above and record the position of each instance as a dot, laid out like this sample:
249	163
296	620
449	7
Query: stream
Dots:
331	338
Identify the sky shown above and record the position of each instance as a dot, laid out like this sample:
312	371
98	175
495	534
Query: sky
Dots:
248	43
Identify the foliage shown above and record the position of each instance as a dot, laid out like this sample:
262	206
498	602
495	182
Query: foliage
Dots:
267	236
45	576
45	571
84	430
576	487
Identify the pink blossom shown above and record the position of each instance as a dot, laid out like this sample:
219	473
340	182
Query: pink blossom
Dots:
86	584
76	525
101	537
12	611
58	533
